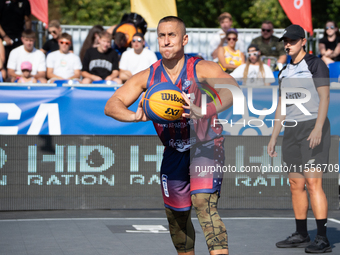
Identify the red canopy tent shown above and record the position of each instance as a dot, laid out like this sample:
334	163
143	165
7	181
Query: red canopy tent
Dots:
39	9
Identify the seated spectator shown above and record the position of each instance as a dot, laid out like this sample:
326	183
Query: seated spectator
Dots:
63	64
226	22
135	60
55	30
329	45
229	58
101	63
92	40
3	72
254	72
15	17
120	43
26	69
27	52
270	46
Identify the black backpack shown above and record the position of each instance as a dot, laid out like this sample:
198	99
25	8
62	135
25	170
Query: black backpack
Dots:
135	19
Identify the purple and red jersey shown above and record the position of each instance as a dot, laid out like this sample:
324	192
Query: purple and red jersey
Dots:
183	133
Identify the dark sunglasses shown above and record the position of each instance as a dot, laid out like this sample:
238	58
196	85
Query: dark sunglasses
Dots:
52	32
331	27
232	38
255	53
63	42
266	30
137	40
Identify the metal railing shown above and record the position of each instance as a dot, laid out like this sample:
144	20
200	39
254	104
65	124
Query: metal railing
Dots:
199	38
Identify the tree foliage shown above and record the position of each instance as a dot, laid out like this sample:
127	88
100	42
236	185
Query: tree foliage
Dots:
88	12
325	10
195	13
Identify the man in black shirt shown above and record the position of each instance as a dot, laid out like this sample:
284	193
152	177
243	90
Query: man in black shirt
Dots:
14	15
101	63
55	30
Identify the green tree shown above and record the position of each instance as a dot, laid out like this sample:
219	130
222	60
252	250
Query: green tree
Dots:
195	13
246	14
88	12
325	10
264	10
204	13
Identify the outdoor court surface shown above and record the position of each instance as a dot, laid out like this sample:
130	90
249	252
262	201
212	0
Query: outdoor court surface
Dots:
145	232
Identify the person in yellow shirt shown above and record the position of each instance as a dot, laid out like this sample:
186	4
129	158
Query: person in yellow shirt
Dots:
229	58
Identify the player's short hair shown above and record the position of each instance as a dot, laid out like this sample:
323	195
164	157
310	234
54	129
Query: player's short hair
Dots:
66	36
105	34
28	33
268	22
174	19
54	23
225	15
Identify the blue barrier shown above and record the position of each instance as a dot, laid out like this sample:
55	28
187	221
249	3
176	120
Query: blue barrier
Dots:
80	111
334	70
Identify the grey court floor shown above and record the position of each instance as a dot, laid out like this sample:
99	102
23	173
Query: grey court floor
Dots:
144	232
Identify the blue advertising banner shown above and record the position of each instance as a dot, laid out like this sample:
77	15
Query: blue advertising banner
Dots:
62	111
80	111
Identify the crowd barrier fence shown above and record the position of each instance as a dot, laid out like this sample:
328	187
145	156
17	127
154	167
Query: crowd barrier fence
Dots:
199	38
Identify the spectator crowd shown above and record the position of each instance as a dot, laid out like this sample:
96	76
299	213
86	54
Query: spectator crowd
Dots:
114	55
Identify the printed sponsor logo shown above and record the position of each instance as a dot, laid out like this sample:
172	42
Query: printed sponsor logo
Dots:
165	184
186	84
311	161
171	111
172	97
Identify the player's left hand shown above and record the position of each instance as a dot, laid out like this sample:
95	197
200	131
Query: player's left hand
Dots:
195	111
314	138
140	114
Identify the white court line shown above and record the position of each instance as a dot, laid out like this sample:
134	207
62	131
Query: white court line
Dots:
126	219
334	220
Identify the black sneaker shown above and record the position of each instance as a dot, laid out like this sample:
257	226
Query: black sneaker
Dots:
319	245
296	240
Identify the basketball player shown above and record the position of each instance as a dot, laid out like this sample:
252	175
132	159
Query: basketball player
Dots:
305	147
181	190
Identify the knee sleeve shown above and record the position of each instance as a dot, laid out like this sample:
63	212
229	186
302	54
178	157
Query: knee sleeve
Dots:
213	228
181	230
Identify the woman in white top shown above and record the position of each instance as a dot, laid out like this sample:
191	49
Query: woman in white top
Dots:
254	72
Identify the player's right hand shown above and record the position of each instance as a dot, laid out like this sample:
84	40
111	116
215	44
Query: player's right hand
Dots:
140	114
195	111
271	148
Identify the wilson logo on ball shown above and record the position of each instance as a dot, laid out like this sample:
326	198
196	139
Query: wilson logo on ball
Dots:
162	103
172	97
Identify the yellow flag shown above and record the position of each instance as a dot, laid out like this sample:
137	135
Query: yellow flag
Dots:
153	10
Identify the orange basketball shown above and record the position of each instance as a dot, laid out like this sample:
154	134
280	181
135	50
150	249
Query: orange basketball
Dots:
162	103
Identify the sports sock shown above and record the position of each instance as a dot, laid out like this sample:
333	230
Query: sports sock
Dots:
322	227
301	227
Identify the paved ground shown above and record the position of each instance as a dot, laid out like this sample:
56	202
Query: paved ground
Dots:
144	232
